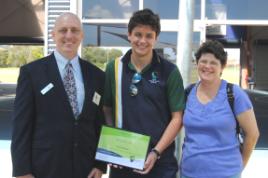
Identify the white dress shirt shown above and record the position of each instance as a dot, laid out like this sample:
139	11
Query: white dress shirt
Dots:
79	82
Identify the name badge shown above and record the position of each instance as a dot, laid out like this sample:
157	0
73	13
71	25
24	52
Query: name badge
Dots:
47	88
96	98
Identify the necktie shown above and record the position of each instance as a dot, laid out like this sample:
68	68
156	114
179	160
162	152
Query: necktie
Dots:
70	88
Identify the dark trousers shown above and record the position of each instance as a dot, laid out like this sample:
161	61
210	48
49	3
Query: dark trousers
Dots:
158	171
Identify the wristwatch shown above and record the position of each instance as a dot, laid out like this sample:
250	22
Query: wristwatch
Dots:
155	151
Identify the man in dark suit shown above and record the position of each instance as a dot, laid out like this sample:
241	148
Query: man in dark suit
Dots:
57	111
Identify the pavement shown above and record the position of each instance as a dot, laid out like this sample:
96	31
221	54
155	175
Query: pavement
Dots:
256	167
5	159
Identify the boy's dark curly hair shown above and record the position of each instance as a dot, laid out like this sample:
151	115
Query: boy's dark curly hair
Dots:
213	47
145	17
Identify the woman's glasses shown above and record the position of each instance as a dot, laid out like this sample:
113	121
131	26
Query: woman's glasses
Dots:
133	89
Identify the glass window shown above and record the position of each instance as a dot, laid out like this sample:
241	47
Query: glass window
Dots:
238	9
166	45
116	35
169	9
112	9
196	38
165	9
105	35
197	9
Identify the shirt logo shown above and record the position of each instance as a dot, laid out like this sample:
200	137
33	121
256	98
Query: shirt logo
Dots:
154	79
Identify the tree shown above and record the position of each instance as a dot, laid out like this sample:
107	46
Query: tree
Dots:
3	58
100	56
16	56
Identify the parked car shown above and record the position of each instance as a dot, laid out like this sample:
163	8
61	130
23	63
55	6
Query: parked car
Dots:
257	166
7	96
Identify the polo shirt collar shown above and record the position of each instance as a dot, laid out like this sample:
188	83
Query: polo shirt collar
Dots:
155	61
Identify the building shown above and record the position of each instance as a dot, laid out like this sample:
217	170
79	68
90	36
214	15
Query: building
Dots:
240	25
105	25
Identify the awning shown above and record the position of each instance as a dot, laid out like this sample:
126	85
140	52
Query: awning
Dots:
22	21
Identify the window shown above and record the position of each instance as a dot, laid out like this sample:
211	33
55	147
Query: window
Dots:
112	9
169	9
165	9
105	35
238	9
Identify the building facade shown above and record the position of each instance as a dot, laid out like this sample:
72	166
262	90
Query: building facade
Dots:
238	24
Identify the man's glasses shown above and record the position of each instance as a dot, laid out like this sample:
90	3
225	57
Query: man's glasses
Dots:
133	89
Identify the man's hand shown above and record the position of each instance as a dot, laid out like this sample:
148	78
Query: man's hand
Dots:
95	173
26	176
149	163
115	166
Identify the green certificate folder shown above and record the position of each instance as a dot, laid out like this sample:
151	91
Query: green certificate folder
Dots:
122	147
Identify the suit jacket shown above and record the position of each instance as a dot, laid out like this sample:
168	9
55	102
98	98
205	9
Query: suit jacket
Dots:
47	141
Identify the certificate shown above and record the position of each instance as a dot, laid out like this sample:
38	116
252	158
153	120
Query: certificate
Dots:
122	147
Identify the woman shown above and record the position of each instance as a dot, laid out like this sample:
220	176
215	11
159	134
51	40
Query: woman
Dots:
211	148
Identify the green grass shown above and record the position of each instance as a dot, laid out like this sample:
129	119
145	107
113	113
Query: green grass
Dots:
9	75
231	74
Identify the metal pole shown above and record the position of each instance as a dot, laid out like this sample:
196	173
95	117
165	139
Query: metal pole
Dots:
184	51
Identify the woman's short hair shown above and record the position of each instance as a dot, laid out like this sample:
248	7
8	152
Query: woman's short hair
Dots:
214	47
